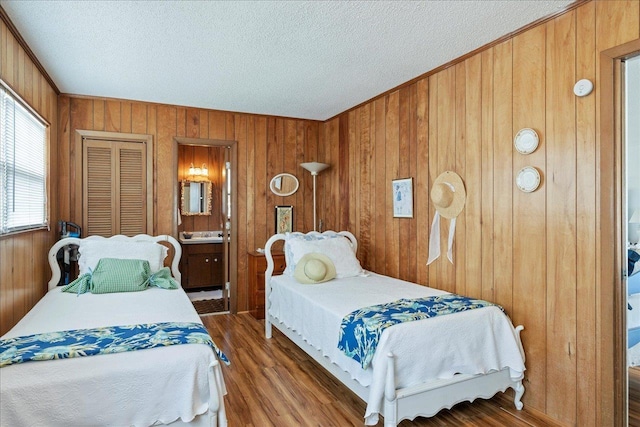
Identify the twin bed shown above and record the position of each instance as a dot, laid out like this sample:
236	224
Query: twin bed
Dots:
419	367
176	384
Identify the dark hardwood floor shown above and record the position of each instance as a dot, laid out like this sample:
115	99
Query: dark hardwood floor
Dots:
634	396
274	383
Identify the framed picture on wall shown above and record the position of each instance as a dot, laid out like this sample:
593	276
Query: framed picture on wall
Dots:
284	219
402	190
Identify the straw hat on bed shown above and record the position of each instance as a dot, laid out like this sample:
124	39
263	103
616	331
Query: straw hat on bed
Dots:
448	194
314	268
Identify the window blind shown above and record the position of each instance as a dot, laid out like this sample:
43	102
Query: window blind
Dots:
22	167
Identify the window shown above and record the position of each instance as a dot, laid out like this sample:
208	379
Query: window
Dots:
22	167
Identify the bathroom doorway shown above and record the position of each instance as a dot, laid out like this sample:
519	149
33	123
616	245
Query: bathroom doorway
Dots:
631	230
205	198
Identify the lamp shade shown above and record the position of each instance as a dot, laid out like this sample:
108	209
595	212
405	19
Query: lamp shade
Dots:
314	167
635	218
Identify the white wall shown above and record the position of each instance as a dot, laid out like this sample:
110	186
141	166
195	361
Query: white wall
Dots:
633	142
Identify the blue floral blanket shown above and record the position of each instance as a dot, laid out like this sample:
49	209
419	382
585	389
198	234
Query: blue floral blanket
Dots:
103	340
360	331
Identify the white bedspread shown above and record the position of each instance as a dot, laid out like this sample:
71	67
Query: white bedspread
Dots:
473	342
133	388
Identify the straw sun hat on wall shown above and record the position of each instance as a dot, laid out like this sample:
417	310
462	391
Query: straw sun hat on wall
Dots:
448	196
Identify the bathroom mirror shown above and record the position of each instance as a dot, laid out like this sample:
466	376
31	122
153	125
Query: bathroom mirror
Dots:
284	184
196	198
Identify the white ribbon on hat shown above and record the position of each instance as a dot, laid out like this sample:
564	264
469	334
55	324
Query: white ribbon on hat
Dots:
434	238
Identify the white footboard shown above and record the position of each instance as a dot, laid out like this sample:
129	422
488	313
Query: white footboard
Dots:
429	398
426	399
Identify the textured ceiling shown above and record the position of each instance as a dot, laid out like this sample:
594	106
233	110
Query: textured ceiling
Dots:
304	59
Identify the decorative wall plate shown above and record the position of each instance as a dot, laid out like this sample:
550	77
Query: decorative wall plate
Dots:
528	179
526	141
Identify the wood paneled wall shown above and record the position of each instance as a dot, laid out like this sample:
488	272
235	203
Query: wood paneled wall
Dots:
266	146
23	282
536	253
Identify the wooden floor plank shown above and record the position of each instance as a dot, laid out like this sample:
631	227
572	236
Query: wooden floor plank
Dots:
273	382
634	396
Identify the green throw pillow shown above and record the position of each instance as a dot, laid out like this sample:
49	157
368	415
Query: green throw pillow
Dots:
162	279
80	285
121	275
112	275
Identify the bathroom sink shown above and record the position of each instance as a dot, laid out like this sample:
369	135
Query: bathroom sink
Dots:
200	237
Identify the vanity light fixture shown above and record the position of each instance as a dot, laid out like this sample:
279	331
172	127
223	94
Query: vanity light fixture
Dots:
202	172
315	168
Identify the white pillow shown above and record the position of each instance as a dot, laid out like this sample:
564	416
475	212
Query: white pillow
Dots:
91	251
337	248
290	266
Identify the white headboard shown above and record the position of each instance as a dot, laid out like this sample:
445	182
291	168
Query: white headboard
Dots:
276	237
55	267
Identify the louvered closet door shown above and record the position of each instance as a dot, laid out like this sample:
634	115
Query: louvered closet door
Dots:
114	188
132	190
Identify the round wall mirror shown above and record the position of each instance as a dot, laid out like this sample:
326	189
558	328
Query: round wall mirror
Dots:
284	184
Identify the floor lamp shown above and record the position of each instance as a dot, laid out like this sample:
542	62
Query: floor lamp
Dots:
315	168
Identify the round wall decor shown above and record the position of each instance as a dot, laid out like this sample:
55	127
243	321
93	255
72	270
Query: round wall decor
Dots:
528	179
526	141
583	87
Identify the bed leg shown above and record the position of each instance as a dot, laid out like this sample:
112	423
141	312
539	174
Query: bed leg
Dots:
390	407
267	327
519	389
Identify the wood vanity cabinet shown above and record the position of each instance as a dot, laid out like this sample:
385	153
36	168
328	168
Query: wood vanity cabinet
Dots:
202	265
257	268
